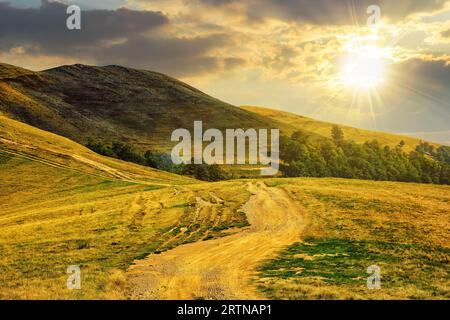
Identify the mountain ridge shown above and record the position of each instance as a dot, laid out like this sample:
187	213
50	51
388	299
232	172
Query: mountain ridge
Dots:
117	103
139	107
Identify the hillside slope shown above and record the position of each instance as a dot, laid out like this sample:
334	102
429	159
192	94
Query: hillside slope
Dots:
138	107
291	122
21	140
335	230
114	103
61	205
52	218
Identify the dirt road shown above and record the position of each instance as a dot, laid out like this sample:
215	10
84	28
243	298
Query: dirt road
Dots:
222	268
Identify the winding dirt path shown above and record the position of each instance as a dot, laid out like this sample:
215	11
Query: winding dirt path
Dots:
222	268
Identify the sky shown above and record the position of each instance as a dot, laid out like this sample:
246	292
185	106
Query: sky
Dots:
331	60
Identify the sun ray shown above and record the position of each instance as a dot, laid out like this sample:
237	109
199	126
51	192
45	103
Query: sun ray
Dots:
371	108
363	67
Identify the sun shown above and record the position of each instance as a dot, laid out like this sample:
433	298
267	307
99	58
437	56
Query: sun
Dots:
364	67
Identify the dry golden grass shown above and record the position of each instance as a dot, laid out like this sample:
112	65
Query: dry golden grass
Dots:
22	140
62	205
402	228
51	218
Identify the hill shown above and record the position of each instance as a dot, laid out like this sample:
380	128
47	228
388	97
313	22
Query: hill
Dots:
138	107
10	71
21	140
62	204
292	122
114	103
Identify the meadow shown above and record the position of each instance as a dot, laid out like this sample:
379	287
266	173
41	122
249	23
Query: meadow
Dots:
287	238
402	228
57	217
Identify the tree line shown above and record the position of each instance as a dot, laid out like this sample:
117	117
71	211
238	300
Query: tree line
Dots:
338	157
157	160
301	157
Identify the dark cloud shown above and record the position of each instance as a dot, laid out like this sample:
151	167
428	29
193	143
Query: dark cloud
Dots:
176	56
426	76
122	36
217	2
45	30
329	12
417	96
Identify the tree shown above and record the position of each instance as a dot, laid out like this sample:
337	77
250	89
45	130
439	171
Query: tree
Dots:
442	154
337	134
100	148
205	172
300	137
370	160
127	153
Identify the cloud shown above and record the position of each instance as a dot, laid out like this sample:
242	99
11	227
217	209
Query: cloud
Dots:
329	12
417	95
426	75
446	33
176	56
44	28
217	2
121	36
232	63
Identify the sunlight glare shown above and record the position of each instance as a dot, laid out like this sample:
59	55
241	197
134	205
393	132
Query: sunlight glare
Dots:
364	67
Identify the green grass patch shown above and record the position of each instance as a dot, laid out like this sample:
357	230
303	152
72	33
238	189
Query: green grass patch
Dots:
344	262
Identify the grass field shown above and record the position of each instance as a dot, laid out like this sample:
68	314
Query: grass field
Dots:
62	205
402	228
56	218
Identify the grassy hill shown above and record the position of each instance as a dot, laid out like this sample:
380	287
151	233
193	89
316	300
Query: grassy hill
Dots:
9	71
291	122
61	205
51	218
139	107
401	228
114	103
21	140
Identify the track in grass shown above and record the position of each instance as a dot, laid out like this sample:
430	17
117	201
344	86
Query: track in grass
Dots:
222	268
